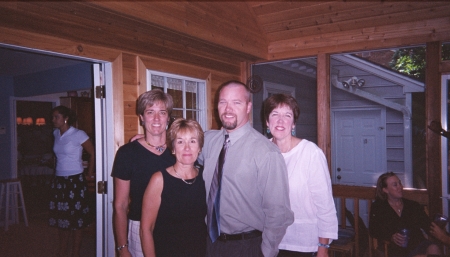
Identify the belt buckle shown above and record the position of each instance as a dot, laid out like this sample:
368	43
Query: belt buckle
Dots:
223	237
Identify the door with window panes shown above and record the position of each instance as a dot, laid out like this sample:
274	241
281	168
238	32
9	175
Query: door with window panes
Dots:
189	95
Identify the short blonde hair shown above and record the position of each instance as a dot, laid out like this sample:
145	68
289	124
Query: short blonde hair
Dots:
183	125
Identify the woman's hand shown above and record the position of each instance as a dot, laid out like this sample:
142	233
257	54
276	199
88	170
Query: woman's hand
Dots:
439	233
399	239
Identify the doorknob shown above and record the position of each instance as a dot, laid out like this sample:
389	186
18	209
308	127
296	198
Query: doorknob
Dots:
339	177
338	169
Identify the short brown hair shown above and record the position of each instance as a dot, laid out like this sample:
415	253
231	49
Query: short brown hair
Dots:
381	183
277	100
237	83
183	125
150	97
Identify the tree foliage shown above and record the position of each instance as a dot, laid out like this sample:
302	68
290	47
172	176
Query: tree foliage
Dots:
411	61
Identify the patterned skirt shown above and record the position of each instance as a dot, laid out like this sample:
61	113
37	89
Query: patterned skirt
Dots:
69	203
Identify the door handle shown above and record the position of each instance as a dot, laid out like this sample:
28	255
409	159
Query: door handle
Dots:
338	177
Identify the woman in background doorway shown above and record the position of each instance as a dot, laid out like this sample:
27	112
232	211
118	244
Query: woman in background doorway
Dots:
69	206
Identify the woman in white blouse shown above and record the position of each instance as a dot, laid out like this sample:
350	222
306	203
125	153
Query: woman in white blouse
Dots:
310	190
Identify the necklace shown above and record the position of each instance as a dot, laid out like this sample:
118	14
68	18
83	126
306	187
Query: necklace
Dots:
398	206
159	148
189	183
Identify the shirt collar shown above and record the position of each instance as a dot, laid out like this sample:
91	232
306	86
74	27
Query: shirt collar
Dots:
237	134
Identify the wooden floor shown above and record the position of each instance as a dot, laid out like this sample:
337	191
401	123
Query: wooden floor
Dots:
38	239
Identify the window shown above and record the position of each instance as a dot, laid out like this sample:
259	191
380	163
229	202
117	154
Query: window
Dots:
189	95
296	77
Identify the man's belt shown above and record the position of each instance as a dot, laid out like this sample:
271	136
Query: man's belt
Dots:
240	236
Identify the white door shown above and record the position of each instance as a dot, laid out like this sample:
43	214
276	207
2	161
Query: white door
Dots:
358	146
104	154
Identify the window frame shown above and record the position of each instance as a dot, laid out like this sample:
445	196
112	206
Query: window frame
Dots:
201	94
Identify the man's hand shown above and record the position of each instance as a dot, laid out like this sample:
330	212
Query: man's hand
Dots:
136	137
439	233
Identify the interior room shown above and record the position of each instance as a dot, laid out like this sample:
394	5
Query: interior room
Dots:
38	84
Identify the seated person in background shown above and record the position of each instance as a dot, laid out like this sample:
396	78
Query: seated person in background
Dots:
391	212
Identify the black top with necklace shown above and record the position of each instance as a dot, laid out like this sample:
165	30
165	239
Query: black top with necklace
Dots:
384	222
180	228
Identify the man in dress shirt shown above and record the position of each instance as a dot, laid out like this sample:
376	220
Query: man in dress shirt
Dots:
254	194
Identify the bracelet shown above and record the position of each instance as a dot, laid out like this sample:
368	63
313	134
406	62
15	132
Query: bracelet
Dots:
122	246
323	245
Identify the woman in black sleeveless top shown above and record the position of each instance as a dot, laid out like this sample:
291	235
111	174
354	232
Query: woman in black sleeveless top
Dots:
174	204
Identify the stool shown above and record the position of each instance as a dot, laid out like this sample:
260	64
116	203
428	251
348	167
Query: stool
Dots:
14	194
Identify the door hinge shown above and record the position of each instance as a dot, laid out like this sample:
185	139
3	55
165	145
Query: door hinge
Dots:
100	92
102	187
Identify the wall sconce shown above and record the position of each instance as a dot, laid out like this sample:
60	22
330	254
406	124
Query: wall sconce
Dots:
354	81
19	120
40	121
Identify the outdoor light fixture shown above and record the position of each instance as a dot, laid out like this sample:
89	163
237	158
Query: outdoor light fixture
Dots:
354	82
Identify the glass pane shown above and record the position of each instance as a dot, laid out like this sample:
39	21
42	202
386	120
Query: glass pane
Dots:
408	61
446	51
191	115
295	77
191	94
378	116
177	114
157	82
175	89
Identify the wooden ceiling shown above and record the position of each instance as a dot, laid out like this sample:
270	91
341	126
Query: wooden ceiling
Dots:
219	34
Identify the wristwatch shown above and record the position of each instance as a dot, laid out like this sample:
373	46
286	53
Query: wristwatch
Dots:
323	245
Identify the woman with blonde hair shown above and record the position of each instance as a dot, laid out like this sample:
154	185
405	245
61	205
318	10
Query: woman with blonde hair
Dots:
174	205
391	213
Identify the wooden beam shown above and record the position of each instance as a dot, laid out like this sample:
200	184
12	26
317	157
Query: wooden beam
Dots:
363	39
323	106
351	16
118	117
225	24
89	24
433	112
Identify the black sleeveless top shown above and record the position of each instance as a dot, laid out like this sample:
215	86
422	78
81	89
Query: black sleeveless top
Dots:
180	228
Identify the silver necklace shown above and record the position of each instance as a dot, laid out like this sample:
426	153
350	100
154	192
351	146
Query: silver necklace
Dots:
159	148
189	183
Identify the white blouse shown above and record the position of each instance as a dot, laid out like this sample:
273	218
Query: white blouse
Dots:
68	151
311	199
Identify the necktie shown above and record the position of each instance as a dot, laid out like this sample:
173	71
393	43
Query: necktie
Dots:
214	194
